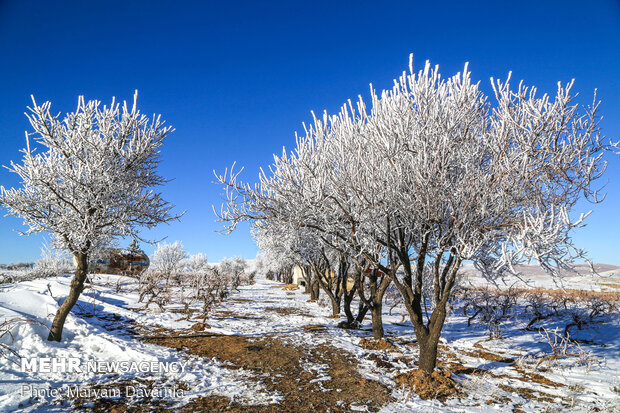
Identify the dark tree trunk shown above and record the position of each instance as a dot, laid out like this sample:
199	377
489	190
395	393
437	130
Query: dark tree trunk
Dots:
334	283
334	298
77	286
428	338
287	277
347	310
428	354
378	285
315	289
377	320
428	334
348	298
362	310
335	306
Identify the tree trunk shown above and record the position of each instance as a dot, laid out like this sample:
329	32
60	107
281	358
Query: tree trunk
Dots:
378	286
362	310
377	320
288	276
333	298
428	353
335	305
77	285
305	271
314	292
348	297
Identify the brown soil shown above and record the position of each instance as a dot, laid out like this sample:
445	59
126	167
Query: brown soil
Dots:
372	344
458	368
277	365
290	287
199	327
530	377
315	328
529	393
487	355
107	405
380	361
437	385
232	314
280	367
288	311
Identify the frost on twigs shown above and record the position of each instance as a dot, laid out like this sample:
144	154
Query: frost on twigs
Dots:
87	179
90	176
175	278
563	347
432	173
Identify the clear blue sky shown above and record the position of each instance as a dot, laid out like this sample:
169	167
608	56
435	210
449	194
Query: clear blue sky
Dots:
236	79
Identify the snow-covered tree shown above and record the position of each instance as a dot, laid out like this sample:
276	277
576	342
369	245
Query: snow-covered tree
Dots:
233	269
277	245
134	247
234	265
53	263
89	178
168	259
434	175
197	263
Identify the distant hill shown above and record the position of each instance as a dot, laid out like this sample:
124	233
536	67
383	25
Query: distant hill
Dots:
607	277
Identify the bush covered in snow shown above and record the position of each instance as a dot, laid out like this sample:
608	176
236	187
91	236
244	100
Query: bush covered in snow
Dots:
53	263
168	259
177	278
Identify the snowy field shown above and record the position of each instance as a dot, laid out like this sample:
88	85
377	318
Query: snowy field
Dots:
508	373
606	277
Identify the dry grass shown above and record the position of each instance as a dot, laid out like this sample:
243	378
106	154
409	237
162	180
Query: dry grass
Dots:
199	327
315	328
529	394
231	314
487	355
567	293
373	344
437	385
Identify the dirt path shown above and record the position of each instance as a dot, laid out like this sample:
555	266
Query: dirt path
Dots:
308	379
269	332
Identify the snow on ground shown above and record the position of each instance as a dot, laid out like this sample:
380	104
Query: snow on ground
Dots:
92	333
504	374
588	380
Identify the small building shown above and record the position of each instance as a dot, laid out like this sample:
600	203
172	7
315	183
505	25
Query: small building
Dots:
120	262
298	277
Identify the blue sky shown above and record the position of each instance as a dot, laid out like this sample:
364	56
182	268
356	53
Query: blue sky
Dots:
237	79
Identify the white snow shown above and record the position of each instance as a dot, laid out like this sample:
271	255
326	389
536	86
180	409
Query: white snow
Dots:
90	334
586	382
